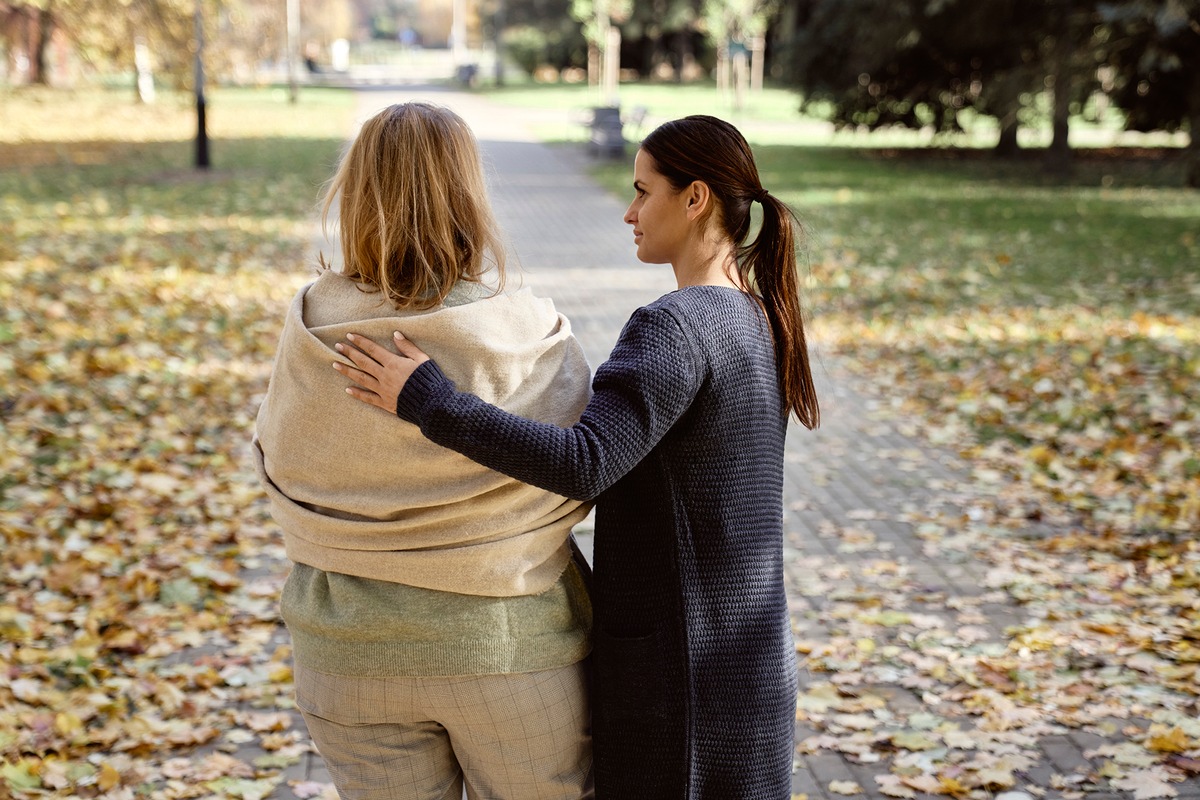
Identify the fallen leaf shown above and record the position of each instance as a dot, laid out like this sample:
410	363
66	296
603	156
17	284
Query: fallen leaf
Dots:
108	777
1173	740
892	786
1146	785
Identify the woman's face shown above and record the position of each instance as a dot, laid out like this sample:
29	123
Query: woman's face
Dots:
658	214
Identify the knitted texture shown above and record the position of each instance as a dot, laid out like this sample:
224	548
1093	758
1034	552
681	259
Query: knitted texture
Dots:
682	445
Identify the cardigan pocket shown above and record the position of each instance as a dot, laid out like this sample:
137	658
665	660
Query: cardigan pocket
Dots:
630	668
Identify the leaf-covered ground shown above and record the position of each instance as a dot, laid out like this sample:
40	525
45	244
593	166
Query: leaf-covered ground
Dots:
139	310
1046	330
1050	334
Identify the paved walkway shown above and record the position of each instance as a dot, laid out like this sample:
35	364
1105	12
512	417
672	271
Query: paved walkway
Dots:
856	489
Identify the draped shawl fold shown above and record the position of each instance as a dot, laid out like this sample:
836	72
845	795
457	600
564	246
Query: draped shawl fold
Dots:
358	492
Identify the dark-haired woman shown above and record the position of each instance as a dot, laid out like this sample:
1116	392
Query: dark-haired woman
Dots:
682	447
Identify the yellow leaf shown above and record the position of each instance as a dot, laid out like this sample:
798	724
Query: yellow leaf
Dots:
280	673
1173	741
108	778
951	786
67	724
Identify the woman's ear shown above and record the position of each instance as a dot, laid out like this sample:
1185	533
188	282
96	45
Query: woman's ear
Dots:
699	199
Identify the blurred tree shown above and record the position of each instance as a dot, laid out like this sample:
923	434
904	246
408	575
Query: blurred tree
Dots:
108	40
240	33
737	19
662	36
871	63
28	26
1072	52
596	15
740	24
1154	56
537	32
922	63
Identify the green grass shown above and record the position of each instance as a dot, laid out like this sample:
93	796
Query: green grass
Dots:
773	116
1119	231
664	99
129	172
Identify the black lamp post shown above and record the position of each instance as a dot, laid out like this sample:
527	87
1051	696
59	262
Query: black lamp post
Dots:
201	126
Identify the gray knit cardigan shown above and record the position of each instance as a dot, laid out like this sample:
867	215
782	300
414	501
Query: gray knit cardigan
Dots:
682	445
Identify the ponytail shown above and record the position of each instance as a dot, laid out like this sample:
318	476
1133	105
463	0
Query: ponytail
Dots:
704	148
769	264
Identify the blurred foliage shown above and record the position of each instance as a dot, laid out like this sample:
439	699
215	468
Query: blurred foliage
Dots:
239	34
541	32
526	45
923	63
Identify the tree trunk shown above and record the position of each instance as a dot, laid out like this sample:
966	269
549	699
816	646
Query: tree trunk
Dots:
43	29
684	53
498	38
1058	156
1192	153
142	68
1004	100
1007	146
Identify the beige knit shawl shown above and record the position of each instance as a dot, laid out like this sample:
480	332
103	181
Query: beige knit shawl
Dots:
357	491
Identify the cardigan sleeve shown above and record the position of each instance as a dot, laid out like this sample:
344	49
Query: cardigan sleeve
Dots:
646	385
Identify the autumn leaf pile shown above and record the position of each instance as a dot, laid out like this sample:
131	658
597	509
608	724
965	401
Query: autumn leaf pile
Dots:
1084	409
140	305
1076	417
139	643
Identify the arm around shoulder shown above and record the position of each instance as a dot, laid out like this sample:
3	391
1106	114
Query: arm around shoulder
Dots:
647	384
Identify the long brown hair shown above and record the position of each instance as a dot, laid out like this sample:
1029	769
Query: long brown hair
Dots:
412	205
710	150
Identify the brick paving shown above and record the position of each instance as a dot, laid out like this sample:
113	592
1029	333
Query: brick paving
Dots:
854	488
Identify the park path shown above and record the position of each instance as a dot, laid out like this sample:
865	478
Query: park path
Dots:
856	489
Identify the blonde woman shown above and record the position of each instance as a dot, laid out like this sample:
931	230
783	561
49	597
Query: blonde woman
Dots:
438	623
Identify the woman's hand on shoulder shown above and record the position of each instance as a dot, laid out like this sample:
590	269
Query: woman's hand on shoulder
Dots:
379	373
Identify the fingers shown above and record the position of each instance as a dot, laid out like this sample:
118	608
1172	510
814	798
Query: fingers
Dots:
379	373
370	398
408	349
361	377
377	353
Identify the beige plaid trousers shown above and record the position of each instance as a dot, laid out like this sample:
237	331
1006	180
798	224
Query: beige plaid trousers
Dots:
522	736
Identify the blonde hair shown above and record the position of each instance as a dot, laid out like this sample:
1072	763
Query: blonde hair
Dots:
412	209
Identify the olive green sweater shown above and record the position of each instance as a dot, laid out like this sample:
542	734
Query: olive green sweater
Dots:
344	625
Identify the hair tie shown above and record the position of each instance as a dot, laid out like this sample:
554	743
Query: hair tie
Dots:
761	196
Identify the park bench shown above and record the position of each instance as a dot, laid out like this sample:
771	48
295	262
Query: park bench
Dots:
606	127
467	74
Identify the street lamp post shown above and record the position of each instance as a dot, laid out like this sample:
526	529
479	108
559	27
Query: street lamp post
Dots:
201	124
